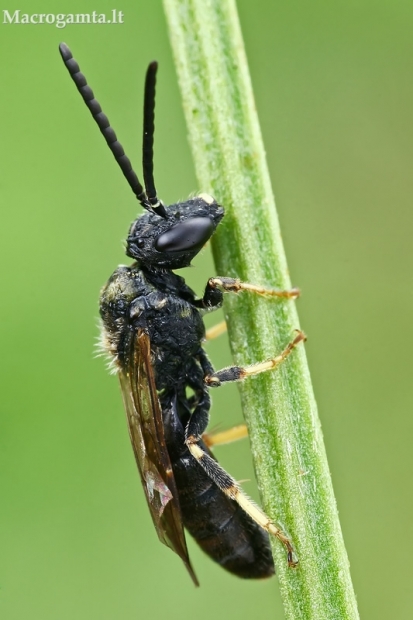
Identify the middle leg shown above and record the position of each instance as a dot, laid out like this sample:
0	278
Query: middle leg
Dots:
239	373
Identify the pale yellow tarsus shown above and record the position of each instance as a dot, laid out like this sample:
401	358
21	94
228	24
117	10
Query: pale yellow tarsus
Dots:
234	492
216	330
223	437
255	369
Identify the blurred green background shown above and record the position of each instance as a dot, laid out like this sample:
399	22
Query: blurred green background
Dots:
334	92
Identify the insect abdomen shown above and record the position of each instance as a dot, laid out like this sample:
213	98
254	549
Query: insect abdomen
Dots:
220	527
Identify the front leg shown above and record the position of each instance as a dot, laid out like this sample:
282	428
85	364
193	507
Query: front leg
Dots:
213	295
234	285
212	299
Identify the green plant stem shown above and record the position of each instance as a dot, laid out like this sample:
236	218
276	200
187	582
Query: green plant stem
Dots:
279	407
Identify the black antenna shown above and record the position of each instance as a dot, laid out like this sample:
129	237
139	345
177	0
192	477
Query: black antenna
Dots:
148	134
104	126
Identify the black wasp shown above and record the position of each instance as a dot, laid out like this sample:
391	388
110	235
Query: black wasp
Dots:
153	331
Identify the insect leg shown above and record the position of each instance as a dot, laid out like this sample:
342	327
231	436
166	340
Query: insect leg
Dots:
216	330
238	373
200	403
199	419
230	487
231	434
233	285
197	424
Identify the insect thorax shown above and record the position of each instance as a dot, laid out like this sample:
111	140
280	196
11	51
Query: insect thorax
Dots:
159	302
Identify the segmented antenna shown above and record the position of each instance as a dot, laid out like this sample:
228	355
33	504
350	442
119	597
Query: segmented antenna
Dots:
105	128
148	132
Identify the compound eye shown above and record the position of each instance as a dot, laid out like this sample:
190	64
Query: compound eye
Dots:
191	234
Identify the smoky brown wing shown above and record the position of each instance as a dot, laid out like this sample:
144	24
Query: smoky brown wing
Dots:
144	417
